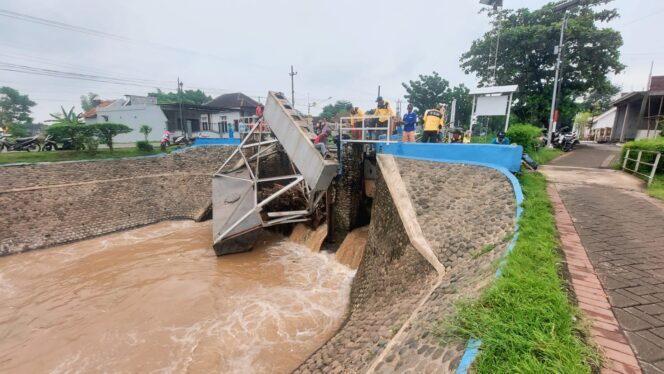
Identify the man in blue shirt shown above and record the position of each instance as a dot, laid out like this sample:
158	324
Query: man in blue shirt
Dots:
501	139
409	122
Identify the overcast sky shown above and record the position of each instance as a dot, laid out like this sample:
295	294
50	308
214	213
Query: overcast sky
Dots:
341	49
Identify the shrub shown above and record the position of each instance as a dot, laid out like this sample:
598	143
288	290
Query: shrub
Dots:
525	135
107	131
18	130
144	146
653	145
78	133
91	145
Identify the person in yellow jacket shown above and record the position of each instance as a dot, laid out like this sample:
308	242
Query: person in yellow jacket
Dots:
433	123
384	112
356	115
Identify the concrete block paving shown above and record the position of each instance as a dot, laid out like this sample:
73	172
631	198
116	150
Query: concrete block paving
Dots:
613	240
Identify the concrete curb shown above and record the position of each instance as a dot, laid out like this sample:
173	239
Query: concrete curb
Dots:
590	295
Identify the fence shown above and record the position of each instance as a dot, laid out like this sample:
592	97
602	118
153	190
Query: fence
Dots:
638	162
365	129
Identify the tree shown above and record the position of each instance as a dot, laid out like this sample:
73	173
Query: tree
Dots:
14	107
464	106
431	90
88	101
599	101
527	41
67	117
427	92
335	110
145	130
69	125
107	131
191	97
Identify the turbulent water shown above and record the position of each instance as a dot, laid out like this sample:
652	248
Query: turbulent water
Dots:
157	300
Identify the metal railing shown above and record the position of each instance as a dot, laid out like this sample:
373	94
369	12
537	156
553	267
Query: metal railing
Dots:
365	129
638	163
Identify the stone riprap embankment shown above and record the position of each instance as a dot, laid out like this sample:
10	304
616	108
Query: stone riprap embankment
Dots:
54	203
461	208
430	222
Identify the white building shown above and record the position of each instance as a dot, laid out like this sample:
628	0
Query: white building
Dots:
212	120
132	111
601	127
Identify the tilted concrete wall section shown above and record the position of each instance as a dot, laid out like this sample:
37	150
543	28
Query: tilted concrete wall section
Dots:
429	222
50	204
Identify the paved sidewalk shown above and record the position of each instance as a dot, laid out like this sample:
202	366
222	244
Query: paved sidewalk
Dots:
622	232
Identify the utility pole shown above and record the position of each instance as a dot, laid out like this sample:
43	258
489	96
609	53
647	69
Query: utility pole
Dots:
292	84
182	124
553	116
557	83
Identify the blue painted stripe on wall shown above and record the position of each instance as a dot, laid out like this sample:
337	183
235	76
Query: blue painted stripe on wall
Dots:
215	141
508	157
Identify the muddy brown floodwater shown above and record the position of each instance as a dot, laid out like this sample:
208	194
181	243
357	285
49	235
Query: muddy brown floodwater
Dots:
157	300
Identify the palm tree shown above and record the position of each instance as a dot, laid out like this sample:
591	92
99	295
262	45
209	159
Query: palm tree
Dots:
67	117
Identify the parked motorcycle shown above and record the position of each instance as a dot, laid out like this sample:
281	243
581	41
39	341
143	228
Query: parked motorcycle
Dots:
19	144
49	144
566	142
179	140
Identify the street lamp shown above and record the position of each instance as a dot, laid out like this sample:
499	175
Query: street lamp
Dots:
313	105
557	83
495	4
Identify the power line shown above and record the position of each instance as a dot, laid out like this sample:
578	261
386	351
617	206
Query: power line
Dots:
18	68
105	35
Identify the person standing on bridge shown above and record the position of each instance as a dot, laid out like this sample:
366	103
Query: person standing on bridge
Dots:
384	112
433	123
409	122
356	115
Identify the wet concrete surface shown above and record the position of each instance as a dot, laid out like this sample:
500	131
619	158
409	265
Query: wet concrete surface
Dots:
589	165
590	155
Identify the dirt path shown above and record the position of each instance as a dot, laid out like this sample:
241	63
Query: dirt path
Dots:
621	232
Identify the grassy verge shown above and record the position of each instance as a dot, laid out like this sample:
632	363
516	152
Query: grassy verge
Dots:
544	155
13	157
656	189
525	319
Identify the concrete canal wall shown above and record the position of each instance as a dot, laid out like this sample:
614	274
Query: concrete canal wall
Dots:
437	231
54	203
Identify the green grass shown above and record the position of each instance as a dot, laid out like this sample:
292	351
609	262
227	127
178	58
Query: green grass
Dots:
525	319
656	189
53	156
544	155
